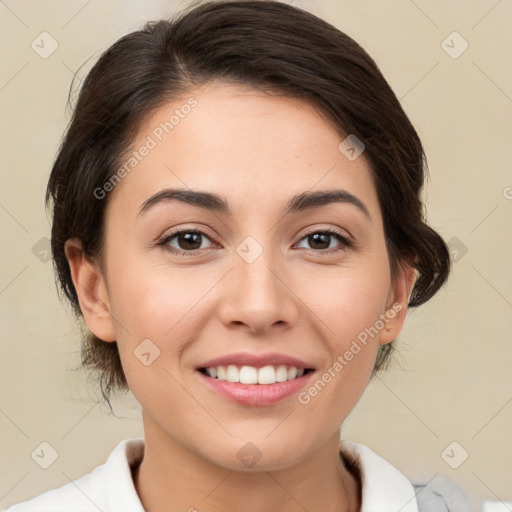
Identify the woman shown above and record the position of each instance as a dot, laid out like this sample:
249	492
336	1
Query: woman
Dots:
237	218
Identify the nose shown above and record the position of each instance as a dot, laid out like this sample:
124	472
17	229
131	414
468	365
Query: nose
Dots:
259	295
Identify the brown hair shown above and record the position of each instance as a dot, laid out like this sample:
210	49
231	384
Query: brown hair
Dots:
261	43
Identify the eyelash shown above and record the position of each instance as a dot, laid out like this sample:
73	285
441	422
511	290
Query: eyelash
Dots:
345	243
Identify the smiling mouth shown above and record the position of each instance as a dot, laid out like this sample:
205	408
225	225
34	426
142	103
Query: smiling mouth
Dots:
265	375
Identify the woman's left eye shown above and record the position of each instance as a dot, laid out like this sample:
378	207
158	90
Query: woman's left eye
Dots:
189	242
320	238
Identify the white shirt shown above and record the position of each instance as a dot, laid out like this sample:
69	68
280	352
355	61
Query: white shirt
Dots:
110	487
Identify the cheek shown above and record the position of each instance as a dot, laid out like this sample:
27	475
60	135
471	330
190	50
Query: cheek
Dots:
162	304
155	305
346	307
157	313
347	300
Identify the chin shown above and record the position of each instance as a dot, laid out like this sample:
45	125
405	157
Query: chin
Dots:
258	453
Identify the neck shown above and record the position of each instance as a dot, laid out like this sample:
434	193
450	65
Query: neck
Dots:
172	478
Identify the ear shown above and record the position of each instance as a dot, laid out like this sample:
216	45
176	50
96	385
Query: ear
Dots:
91	291
398	299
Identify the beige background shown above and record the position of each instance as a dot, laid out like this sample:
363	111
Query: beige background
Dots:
453	378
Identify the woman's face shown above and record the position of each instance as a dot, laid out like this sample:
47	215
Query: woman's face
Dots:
261	278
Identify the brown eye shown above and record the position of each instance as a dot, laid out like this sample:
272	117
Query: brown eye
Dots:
184	241
321	240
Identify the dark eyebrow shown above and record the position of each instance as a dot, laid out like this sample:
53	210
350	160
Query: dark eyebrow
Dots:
313	199
206	200
216	203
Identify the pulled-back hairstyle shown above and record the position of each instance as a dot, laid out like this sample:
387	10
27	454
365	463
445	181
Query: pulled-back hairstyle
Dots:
265	44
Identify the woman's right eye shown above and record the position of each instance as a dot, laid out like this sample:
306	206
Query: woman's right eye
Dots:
186	242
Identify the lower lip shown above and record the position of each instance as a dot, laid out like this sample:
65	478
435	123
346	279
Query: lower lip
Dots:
256	395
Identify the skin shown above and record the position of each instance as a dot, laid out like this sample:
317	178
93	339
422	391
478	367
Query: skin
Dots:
297	298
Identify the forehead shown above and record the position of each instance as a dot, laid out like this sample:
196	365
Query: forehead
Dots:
240	143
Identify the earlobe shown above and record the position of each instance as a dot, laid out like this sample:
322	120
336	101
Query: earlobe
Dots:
91	291
398	301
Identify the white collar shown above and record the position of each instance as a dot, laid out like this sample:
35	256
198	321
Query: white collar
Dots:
384	488
120	489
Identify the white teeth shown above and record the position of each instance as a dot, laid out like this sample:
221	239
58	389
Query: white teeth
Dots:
267	375
221	373
232	373
292	373
281	373
250	375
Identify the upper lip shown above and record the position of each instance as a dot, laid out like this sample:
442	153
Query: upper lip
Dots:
256	360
